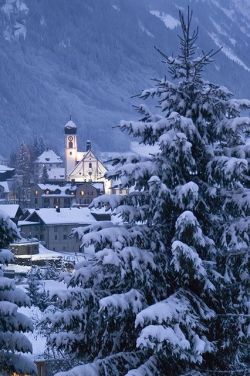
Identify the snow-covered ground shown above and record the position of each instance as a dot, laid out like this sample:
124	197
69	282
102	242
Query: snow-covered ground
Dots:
38	341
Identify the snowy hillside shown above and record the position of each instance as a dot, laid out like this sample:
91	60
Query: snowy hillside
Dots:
89	57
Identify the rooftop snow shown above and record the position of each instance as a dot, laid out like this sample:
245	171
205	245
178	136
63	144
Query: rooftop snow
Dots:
53	188
10	209
49	156
70	124
74	216
4	168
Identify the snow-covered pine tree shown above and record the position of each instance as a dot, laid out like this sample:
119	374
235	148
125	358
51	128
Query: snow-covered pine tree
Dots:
165	291
35	290
12	323
45	175
23	164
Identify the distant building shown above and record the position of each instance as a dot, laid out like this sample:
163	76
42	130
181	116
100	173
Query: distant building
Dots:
51	161
4	192
6	172
64	196
56	175
53	226
82	166
25	247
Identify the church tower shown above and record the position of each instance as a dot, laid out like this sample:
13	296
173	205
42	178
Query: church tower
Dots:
70	135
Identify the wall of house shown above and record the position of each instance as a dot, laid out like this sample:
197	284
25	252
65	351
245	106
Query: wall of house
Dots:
38	168
59	240
54	237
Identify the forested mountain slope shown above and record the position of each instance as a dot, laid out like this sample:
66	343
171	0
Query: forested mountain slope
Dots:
87	58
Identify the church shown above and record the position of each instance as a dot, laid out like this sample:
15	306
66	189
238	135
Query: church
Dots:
82	166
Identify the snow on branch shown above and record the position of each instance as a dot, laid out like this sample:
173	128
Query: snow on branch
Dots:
186	195
116	304
17	342
112	236
149	368
226	171
183	254
188	230
107	201
181	307
111	365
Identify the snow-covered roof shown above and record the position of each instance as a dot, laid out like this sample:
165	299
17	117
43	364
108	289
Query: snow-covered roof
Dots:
70	124
56	173
76	216
5	186
54	187
4	168
49	156
10	209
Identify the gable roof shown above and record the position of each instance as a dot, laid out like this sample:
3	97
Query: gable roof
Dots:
12	210
85	155
66	216
49	156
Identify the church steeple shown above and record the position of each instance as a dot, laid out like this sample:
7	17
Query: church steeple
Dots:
70	135
70	127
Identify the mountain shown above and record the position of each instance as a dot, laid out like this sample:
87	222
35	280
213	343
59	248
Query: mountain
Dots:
88	57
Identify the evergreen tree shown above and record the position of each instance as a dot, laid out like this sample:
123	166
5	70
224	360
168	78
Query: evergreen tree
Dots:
45	175
24	165
12	323
37	294
165	292
13	160
38	147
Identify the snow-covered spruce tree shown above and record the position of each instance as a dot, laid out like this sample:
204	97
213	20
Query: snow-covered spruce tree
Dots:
12	323
35	290
165	291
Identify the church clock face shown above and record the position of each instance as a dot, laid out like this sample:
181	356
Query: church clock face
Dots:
70	138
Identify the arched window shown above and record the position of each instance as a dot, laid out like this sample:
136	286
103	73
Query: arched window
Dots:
90	165
70	145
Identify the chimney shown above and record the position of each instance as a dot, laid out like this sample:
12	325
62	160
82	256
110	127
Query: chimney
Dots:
88	145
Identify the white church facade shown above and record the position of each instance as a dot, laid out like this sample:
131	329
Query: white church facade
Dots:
82	166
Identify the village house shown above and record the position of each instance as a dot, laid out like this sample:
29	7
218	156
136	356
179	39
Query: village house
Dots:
52	163
53	226
64	196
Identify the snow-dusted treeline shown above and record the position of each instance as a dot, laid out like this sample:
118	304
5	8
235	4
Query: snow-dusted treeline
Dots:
165	292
